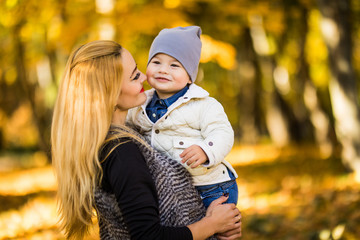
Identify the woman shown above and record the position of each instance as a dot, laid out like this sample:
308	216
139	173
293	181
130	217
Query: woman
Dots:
102	164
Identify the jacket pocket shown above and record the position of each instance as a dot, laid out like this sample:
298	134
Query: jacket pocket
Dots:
183	142
180	144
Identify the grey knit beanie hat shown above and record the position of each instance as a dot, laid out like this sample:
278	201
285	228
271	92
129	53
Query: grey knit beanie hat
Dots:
182	43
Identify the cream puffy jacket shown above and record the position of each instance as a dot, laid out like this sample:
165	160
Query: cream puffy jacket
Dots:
194	118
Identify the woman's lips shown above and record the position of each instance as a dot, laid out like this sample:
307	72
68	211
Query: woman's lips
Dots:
142	90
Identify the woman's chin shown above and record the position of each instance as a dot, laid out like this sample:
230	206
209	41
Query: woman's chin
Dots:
143	99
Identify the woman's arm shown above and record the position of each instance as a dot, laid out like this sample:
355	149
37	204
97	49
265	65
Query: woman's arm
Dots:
127	176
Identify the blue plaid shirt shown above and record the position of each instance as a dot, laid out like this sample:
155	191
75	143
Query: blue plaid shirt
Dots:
158	107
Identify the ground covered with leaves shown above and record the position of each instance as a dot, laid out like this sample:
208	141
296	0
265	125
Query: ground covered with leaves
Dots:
288	194
298	195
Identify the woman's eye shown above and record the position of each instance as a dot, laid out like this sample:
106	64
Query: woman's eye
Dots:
136	76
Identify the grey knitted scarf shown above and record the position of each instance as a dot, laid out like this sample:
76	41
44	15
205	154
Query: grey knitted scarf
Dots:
179	202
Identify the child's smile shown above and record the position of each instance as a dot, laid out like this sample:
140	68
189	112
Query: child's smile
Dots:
167	75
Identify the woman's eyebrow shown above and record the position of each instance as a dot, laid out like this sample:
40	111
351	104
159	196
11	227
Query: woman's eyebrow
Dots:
133	71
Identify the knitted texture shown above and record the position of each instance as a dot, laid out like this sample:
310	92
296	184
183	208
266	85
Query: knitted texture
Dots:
179	202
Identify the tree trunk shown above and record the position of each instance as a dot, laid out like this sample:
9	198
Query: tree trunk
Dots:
318	118
29	90
276	122
249	113
336	30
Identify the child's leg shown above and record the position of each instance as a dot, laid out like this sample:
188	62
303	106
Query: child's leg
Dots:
232	188
211	192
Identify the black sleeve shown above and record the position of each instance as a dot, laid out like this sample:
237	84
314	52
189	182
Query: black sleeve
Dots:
128	177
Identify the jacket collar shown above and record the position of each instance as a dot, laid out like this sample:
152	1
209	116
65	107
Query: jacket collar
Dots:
194	92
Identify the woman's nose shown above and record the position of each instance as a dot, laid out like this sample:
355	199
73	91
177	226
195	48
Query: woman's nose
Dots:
143	77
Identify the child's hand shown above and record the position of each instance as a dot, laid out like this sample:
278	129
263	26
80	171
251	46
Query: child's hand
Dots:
194	156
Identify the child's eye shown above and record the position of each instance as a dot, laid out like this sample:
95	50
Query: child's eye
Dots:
136	76
175	65
156	62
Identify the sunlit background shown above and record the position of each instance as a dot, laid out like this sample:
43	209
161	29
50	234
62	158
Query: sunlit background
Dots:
286	72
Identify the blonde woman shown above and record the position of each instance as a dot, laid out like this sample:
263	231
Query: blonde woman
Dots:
101	164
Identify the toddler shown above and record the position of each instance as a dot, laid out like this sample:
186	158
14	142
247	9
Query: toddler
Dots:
181	120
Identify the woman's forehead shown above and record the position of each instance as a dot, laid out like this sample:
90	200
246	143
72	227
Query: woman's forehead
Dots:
128	61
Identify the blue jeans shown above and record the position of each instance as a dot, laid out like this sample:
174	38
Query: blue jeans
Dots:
209	193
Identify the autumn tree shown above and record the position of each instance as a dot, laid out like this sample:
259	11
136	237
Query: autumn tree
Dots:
336	26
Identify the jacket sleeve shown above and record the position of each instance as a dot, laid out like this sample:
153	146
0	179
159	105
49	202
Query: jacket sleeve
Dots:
217	132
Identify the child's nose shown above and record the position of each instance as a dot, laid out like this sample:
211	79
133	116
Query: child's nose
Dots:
163	69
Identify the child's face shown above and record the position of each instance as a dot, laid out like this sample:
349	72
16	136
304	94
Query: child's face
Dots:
166	75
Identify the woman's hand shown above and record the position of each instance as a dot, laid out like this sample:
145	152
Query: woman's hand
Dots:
230	235
221	219
227	219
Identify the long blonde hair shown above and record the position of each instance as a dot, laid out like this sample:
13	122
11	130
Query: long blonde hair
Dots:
81	120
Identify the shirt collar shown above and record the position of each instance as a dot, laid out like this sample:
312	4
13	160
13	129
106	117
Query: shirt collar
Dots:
170	100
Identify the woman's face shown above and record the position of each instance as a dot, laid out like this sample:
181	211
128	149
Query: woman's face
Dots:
132	92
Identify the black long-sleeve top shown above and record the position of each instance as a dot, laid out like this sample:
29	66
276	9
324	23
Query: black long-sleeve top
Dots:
126	174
